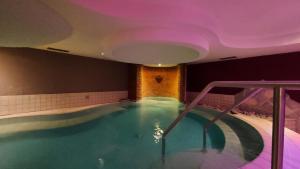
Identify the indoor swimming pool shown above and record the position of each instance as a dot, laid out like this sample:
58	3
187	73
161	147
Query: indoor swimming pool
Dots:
128	136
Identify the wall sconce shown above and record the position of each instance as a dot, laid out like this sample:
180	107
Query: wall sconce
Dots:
158	78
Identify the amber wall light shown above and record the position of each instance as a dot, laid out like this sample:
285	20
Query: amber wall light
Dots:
160	81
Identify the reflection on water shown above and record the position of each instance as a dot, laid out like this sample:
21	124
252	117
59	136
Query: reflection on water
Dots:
100	163
158	108
158	132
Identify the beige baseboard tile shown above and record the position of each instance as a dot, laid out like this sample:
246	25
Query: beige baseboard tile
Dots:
33	103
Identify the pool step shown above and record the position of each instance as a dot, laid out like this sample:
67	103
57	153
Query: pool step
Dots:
232	142
212	159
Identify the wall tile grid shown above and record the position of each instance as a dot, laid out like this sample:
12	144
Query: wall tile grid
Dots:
40	102
215	100
223	101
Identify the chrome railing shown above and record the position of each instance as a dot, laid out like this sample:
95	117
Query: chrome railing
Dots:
255	87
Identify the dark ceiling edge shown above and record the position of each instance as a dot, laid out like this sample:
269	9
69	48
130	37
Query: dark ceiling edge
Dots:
237	58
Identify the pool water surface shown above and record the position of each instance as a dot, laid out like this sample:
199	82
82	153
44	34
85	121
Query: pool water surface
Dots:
129	138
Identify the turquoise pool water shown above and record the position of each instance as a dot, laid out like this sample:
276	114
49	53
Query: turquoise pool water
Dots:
129	138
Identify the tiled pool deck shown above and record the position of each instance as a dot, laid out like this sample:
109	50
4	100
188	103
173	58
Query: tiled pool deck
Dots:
291	145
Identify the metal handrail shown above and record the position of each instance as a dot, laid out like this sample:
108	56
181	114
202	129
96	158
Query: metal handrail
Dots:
291	85
278	87
187	109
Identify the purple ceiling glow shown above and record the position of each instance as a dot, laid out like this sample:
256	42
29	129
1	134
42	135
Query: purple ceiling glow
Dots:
236	23
211	28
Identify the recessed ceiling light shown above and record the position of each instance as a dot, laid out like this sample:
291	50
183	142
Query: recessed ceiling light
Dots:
229	58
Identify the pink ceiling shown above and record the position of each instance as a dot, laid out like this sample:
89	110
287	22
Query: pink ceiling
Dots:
212	28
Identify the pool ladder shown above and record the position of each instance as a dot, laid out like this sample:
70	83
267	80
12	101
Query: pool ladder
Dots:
251	89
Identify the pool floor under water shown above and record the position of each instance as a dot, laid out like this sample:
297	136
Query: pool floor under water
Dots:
128	139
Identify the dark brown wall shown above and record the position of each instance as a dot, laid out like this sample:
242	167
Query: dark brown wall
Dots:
132	81
272	67
31	71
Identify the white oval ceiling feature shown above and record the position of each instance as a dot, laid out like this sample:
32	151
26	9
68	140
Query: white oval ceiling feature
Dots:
155	53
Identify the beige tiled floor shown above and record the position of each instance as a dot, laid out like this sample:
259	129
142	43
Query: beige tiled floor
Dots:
291	146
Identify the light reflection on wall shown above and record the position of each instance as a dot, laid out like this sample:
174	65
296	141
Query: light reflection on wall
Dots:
163	82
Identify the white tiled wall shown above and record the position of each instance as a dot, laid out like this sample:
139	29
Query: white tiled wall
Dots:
224	101
215	100
31	103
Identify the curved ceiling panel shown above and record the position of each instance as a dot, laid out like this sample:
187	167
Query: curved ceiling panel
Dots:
155	53
212	28
157	45
237	24
30	23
